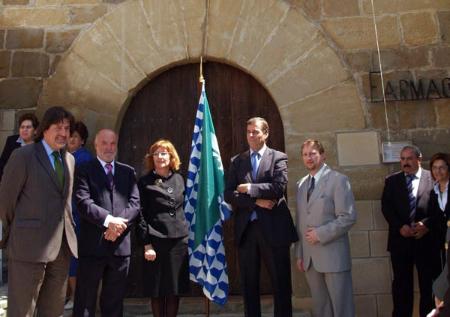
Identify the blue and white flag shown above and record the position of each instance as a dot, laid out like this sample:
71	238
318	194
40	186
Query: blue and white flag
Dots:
206	209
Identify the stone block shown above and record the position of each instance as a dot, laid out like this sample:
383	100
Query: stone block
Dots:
86	14
19	92
358	32
378	243
359	61
343	8
419	28
440	56
384	305
379	221
442	112
416	114
366	305
377	283
5	59
312	8
359	244
431	141
33	17
358	148
53	64
367	182
30	64
24	38
402	58
16	2
444	25
389	6
337	108
2	38
60	41
7	120
364	219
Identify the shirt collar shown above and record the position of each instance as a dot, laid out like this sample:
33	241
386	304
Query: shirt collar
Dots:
437	188
319	173
261	150
104	163
20	141
48	149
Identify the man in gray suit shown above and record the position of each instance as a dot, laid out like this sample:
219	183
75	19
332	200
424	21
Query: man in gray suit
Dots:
35	209
325	214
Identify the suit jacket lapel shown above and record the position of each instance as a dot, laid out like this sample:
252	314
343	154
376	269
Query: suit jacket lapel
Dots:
320	185
67	173
102	174
247	166
45	162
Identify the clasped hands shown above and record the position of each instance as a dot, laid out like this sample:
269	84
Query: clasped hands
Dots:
263	203
417	230
116	226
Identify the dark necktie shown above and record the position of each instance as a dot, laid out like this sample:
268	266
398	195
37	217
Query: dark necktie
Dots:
109	175
311	188
411	198
254	161
59	169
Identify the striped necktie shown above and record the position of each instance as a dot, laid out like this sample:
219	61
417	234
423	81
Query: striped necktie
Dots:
411	198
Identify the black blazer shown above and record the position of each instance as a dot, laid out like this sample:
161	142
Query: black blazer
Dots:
10	145
270	183
439	218
95	201
395	207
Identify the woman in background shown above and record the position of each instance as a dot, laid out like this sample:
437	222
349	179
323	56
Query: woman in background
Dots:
163	230
76	146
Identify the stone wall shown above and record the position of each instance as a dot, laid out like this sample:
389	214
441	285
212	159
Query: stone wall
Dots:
314	57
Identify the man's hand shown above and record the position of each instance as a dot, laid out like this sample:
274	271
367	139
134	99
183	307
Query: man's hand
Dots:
149	253
420	230
265	203
110	235
311	236
243	188
117	225
407	232
300	266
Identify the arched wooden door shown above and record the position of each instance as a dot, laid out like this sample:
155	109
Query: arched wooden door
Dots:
166	108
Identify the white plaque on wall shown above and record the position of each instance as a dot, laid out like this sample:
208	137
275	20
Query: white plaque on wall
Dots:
391	151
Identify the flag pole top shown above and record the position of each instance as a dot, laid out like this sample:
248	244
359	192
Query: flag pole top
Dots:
201	78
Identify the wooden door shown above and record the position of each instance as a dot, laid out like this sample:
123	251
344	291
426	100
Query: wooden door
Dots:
166	108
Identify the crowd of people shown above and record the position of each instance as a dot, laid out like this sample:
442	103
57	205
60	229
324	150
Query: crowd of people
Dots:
67	217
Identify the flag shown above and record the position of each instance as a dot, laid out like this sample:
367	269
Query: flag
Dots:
206	209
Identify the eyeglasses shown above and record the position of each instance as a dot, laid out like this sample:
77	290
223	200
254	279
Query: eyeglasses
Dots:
439	168
162	154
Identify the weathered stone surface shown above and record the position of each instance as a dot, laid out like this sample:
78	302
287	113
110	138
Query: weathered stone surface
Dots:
431	141
364	187
364	283
33	17
359	61
402	58
60	41
358	148
312	8
358	32
442	112
364	220
379	221
343	8
16	2
444	25
53	64
31	64
366	305
333	109
378	243
66	2
193	16
384	305
19	93
7	120
440	56
419	28
359	244
389	6
86	14
5	58
2	38
24	38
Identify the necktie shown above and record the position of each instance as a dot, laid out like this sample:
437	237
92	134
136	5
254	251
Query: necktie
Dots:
255	161
109	175
411	198
59	169
311	188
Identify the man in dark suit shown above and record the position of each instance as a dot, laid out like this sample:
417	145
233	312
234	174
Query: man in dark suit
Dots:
108	202
35	208
405	207
263	225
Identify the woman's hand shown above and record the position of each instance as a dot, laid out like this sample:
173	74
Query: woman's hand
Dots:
149	253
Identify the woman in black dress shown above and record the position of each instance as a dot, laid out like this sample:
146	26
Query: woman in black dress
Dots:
163	230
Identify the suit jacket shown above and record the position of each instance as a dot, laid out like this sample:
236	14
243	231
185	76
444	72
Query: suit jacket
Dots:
331	211
10	145
95	201
271	181
439	218
395	208
33	208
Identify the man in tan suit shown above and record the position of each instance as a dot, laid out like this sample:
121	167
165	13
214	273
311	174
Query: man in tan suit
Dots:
325	214
35	209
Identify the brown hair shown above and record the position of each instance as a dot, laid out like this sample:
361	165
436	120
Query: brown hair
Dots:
264	124
82	130
439	156
54	115
29	116
174	158
315	144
